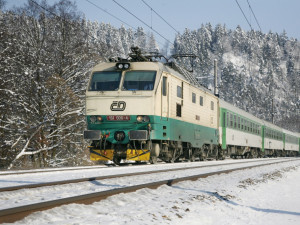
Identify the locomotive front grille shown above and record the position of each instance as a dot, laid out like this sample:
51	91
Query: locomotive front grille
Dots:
138	135
92	134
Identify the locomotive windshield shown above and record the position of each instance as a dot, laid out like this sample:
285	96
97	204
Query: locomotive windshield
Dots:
105	81
139	80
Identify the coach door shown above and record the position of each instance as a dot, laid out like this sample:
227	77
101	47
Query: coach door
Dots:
165	99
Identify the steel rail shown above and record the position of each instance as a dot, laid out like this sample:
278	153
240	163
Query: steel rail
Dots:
18	213
88	179
50	170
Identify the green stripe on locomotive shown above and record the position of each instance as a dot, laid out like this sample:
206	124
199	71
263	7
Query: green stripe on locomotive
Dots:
161	129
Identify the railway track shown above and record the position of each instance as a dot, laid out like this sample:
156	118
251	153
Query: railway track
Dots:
49	170
88	179
17	213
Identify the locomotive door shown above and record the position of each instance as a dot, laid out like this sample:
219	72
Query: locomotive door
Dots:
165	99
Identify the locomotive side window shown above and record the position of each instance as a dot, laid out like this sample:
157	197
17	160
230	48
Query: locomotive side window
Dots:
201	100
193	97
178	110
139	80
105	81
179	92
164	86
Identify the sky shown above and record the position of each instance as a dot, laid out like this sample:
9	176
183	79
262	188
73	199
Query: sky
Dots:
272	15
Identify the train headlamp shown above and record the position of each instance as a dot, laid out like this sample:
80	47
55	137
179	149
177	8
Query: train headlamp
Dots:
123	66
139	118
93	119
143	119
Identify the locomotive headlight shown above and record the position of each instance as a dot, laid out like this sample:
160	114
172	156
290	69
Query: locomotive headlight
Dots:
99	118
123	66
93	119
146	119
139	118
120	66
126	66
143	119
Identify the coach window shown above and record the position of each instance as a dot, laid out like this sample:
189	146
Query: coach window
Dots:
234	121
179	92
193	97
231	120
227	119
212	105
242	124
239	123
271	134
201	100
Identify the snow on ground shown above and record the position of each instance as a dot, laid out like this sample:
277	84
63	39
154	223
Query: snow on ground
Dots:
35	195
263	195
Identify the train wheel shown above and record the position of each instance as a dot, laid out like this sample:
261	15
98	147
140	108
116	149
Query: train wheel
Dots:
153	160
117	160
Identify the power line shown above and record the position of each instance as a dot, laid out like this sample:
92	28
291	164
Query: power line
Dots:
254	15
160	16
98	7
243	14
110	14
141	21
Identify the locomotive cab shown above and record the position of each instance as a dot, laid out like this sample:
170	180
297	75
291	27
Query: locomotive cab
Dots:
119	110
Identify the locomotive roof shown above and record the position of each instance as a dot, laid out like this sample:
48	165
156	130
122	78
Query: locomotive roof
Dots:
173	68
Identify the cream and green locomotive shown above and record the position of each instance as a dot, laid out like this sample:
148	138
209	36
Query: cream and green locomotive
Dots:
138	109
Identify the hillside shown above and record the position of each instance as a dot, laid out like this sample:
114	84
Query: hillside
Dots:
46	56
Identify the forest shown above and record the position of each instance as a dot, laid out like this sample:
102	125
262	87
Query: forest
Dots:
46	54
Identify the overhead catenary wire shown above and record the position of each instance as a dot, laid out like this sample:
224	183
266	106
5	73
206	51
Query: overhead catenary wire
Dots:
243	14
98	7
254	15
142	21
105	11
160	16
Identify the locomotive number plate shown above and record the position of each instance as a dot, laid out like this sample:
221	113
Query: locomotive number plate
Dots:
118	118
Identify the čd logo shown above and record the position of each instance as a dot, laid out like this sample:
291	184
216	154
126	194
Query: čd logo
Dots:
118	106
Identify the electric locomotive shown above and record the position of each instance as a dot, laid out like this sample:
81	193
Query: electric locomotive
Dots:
140	109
